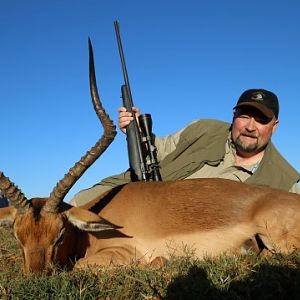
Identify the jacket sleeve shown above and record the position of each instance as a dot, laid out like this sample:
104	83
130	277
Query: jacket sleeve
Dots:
167	144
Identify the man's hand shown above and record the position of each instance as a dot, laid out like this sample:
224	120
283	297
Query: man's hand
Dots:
126	117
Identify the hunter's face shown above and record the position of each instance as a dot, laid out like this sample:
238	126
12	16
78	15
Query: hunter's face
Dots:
251	130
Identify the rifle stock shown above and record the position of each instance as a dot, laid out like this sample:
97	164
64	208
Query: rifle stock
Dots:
141	150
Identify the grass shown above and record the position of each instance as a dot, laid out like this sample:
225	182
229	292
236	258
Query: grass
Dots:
228	277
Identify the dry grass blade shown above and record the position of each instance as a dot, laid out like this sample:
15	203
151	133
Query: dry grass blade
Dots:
235	277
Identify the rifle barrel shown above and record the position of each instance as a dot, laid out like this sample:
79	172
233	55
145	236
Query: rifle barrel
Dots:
124	69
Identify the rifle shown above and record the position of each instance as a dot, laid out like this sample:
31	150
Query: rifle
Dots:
142	152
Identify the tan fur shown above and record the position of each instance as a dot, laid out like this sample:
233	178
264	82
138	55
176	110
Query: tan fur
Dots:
211	216
149	221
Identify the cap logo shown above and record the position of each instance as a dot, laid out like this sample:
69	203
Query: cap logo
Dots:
258	96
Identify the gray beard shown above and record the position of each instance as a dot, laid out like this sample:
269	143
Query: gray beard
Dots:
243	148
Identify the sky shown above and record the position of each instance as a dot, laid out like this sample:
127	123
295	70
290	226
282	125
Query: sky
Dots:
186	60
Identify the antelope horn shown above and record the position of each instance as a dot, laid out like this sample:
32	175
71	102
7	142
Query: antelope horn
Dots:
64	185
13	193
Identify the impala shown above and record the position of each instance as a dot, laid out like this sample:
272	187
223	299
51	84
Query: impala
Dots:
147	221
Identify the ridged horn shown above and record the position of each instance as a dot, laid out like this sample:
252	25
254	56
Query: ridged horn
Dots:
13	194
65	184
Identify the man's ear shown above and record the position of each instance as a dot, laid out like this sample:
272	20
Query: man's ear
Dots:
276	123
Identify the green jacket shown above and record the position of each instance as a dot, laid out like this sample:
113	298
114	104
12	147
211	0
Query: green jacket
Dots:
204	142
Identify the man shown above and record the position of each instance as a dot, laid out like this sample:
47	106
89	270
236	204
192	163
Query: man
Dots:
240	151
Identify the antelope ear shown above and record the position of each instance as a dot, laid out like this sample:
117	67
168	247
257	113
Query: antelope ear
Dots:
7	215
87	220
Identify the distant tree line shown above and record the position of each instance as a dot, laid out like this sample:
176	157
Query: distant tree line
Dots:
3	200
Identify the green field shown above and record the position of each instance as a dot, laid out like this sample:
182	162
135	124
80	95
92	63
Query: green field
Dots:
243	277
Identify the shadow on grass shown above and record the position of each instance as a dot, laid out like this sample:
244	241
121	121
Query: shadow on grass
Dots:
264	282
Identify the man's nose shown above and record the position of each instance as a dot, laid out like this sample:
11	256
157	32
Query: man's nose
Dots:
251	125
